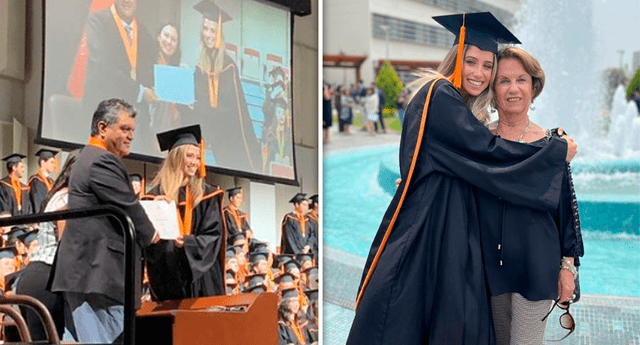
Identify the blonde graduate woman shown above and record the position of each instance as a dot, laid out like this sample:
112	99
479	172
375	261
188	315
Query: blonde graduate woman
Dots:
423	282
193	264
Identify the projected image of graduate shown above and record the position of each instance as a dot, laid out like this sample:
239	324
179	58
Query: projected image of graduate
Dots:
220	101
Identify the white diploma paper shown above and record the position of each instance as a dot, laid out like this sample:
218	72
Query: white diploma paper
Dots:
164	217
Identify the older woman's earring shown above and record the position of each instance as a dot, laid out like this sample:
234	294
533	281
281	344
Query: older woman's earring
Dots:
492	109
531	106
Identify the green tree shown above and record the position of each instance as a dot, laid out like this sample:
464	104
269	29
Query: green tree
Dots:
390	85
634	84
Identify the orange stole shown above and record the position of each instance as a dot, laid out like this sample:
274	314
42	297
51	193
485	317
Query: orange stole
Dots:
45	180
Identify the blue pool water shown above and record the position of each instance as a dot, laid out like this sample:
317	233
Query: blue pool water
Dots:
355	201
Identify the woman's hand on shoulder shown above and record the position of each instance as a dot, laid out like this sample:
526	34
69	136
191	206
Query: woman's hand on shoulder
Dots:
572	147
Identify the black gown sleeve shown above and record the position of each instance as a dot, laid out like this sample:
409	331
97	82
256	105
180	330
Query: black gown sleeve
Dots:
292	237
459	145
111	185
203	245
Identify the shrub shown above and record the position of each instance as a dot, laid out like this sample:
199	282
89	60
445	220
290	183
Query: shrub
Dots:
390	84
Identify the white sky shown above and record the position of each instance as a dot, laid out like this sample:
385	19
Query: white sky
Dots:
617	24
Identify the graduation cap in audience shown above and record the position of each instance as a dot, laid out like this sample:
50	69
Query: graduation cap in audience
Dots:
234	191
239	237
291	264
298	198
285	278
15	234
290	293
281	259
312	294
255	258
211	11
28	236
311	271
8	252
480	29
230	278
257	246
314	199
45	154
302	258
255	280
231	252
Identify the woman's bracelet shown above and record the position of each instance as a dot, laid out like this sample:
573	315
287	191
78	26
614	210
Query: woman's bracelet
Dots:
571	269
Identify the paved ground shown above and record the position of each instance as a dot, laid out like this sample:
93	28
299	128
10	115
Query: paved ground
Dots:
609	320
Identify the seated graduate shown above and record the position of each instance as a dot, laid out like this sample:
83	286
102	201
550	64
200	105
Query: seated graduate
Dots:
192	264
41	183
14	195
7	264
295	235
289	329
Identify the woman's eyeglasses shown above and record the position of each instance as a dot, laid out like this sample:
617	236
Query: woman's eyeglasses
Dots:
566	320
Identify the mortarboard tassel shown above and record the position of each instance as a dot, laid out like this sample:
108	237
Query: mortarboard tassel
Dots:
219	31
203	171
456	78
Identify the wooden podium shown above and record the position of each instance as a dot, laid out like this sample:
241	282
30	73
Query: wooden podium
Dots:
249	318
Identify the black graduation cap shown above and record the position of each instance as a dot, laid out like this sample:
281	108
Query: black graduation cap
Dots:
231	252
298	198
257	246
254	258
314	199
255	280
257	288
45	154
230	276
311	271
304	257
181	136
230	289
15	233
289	265
285	278
312	294
281	259
237	237
238	249
290	293
13	158
483	30
8	252
211	11
233	191
28	237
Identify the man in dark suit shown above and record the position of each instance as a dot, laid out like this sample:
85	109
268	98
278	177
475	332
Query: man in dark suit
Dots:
89	266
120	62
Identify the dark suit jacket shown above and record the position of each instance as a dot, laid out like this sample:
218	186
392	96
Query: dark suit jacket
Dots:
90	257
109	72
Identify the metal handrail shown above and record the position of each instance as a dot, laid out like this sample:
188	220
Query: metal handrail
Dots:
128	231
41	310
23	330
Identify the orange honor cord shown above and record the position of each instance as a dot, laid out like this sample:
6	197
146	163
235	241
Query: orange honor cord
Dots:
97	142
45	180
130	45
185	225
203	170
296	330
407	181
456	78
17	190
213	89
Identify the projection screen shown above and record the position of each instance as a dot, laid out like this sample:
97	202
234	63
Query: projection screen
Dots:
223	64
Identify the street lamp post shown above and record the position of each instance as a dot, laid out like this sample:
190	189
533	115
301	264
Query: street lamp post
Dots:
385	28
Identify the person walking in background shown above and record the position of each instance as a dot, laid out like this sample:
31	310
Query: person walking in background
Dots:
347	110
371	107
327	119
381	100
337	105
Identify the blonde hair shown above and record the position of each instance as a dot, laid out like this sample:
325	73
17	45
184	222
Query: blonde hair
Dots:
478	104
171	175
530	65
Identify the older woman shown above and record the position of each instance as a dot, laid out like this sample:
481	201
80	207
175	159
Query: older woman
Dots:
530	255
192	264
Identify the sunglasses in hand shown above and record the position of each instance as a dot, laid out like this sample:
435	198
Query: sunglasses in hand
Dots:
566	320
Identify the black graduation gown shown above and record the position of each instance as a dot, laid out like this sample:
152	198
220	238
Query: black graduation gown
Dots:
312	225
287	336
428	286
228	123
195	270
531	242
38	191
292	241
8	201
232	226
